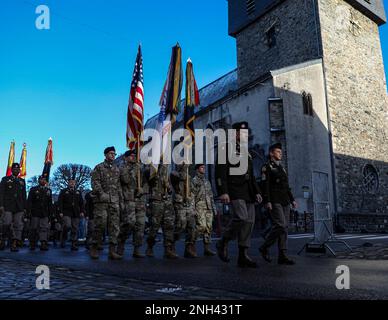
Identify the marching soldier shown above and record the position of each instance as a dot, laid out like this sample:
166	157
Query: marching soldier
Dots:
184	208
133	217
242	192
162	212
109	201
39	210
204	207
89	215
13	201
71	208
277	198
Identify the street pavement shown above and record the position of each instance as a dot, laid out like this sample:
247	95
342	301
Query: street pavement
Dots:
73	275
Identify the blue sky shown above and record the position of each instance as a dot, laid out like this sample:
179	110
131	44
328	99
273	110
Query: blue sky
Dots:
71	82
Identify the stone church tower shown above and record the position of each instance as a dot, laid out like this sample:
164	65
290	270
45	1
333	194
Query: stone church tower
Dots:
274	34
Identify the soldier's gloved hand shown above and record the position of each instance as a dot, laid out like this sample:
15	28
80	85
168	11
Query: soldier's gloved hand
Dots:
225	198
82	215
269	206
61	215
294	204
259	198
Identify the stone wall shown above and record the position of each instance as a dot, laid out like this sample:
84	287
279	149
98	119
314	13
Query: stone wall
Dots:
296	36
357	102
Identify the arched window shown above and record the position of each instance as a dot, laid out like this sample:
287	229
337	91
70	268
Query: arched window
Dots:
370	181
307	104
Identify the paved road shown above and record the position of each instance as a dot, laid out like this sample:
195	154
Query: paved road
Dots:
75	276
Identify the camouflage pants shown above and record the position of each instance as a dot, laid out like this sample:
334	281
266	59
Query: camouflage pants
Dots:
204	222
127	220
39	228
185	222
12	223
140	215
162	215
90	230
106	214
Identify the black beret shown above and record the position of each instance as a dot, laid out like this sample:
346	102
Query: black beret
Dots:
130	152
15	165
240	125
109	149
199	165
275	146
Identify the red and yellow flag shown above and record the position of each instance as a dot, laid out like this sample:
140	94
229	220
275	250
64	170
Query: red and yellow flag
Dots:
11	159
48	160
23	162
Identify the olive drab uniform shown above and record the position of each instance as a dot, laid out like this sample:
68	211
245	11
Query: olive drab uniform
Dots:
242	190
39	211
162	211
13	200
106	187
71	204
205	208
277	191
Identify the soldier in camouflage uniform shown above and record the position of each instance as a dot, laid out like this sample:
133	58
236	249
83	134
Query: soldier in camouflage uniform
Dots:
133	217
184	208
204	207
162	212
108	203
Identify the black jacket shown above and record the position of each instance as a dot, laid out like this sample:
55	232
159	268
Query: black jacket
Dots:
89	205
71	203
40	203
275	184
13	195
242	186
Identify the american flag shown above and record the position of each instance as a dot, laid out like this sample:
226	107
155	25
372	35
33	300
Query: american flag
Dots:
135	113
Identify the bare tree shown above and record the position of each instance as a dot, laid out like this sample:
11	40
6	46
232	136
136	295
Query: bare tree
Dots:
32	182
80	173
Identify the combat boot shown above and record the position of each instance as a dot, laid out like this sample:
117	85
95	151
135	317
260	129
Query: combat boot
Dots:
32	245
149	252
121	248
74	246
207	251
2	244
44	246
244	261
137	253
113	254
283	259
265	254
14	246
93	253
190	251
222	250
169	253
